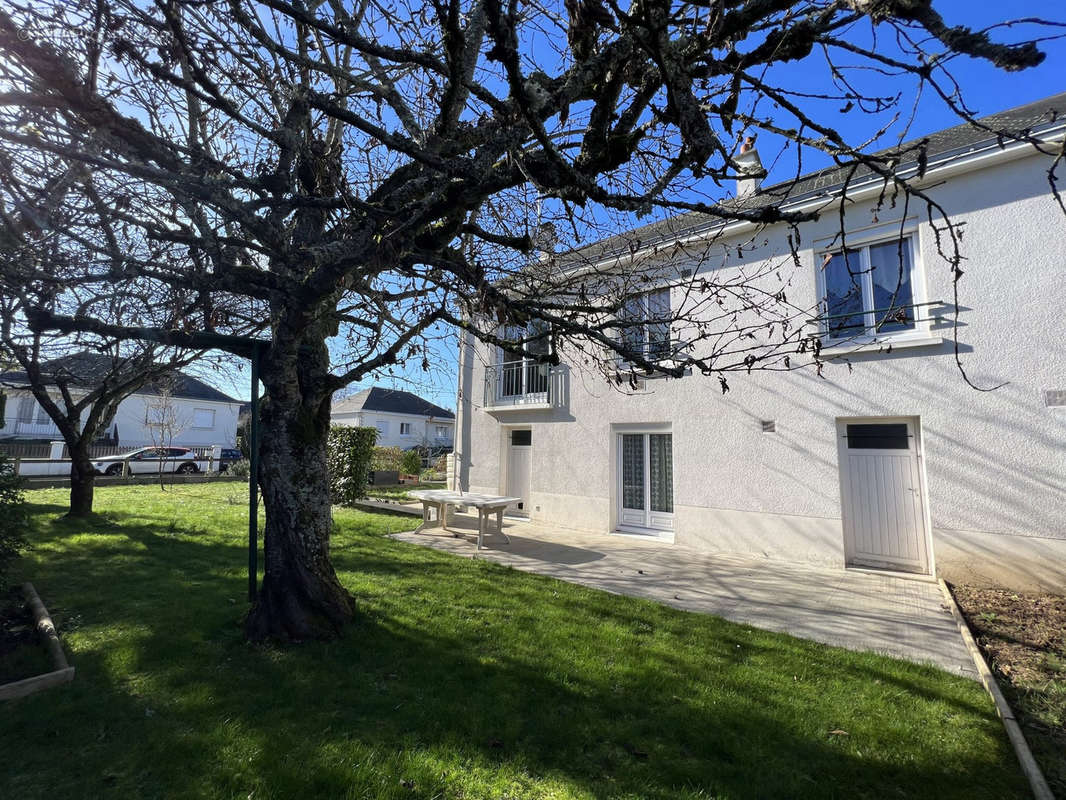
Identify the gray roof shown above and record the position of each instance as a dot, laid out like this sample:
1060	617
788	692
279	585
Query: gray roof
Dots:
377	398
183	385
1028	118
86	369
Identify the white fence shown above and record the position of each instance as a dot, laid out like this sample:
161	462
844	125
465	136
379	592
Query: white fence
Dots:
207	459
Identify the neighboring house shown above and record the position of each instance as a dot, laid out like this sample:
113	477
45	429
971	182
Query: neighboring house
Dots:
403	419
886	458
182	410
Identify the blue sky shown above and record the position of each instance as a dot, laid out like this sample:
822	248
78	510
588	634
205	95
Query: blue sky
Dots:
985	89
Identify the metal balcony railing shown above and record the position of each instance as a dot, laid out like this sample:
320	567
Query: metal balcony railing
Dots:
874	321
29	428
661	351
520	383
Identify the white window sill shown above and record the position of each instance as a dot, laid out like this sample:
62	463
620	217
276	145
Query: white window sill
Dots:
880	345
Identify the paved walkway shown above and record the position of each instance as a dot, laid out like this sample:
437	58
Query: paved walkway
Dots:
902	617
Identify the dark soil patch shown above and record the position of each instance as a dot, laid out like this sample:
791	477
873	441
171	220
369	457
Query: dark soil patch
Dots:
21	654
16	624
1023	637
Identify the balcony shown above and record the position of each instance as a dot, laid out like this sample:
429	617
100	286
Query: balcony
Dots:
523	385
29	429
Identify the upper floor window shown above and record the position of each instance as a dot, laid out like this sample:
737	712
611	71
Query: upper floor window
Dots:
27	406
870	290
647	324
157	414
203	418
405	429
538	344
442	431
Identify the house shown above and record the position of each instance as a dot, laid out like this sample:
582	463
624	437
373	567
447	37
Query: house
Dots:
403	419
884	457
181	410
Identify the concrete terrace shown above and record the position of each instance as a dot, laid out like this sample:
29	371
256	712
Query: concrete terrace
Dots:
898	616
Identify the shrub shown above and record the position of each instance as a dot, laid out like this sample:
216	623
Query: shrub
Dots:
349	455
239	469
244	436
411	463
13	517
387	458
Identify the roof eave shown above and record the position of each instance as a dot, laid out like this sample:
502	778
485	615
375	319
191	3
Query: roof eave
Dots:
963	159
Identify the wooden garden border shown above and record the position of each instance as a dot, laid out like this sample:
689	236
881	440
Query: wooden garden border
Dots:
1037	782
62	672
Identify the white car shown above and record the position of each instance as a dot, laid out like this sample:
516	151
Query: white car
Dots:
151	460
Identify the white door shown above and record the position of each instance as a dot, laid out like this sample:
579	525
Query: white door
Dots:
646	482
881	493
519	470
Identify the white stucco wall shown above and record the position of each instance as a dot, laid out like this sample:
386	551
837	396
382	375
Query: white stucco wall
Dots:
130	419
423	430
133	431
996	461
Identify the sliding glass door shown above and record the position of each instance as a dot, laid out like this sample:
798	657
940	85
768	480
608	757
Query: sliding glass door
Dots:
646	477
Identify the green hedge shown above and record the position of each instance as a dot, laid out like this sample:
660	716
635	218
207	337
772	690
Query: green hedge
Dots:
411	462
13	517
350	451
387	458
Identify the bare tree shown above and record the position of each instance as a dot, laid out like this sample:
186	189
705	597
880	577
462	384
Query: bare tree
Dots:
79	382
164	420
370	174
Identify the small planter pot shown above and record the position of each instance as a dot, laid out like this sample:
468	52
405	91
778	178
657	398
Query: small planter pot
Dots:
384	477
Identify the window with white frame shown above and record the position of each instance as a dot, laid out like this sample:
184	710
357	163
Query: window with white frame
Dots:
155	415
646	324
25	409
42	415
203	418
442	431
871	290
405	429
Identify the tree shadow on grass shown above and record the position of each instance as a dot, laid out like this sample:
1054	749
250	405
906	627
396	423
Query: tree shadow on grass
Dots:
481	684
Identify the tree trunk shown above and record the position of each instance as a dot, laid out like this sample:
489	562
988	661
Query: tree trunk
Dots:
82	483
300	597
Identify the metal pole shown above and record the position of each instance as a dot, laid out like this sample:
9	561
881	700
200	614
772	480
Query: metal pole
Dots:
457	483
253	481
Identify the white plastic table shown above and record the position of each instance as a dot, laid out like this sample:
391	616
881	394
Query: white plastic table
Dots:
442	499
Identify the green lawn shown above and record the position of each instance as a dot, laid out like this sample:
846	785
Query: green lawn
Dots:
399	492
460	679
